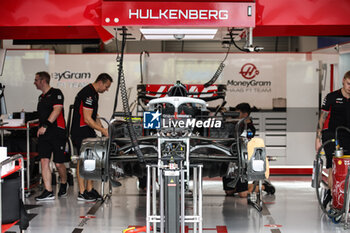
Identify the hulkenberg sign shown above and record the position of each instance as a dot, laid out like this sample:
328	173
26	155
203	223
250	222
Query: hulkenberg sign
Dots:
217	14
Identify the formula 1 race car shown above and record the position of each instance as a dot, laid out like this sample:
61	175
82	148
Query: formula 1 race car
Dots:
176	139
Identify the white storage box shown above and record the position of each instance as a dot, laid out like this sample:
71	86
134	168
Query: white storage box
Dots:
13	122
279	102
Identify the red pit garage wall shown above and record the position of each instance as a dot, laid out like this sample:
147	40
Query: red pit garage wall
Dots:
66	19
187	14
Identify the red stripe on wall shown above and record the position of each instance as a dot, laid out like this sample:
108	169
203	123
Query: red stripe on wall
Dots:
290	171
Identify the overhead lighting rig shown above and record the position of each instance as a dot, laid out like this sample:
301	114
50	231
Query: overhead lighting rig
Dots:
178	33
249	42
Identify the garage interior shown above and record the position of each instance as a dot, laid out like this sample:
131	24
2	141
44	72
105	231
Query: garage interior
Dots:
296	53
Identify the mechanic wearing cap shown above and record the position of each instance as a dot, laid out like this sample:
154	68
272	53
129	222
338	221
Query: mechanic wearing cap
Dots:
51	134
335	112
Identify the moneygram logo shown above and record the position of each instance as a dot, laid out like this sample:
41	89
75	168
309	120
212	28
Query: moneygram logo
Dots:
250	83
249	71
71	75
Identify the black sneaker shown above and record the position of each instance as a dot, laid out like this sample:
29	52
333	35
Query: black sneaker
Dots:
95	194
85	197
269	188
45	196
327	198
63	190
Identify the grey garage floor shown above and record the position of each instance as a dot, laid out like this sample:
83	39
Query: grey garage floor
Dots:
292	209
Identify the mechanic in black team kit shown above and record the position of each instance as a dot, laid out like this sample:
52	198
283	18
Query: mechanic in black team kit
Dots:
335	112
243	188
85	122
51	134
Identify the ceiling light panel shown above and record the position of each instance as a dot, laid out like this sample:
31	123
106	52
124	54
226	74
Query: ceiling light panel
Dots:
172	31
171	37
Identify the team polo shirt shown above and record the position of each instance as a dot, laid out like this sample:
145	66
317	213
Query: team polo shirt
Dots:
86	98
46	103
339	110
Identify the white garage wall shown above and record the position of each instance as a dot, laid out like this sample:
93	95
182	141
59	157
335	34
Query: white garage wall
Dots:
302	111
271	68
167	68
21	65
344	65
70	72
18	76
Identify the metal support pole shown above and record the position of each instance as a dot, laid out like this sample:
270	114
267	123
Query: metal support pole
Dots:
102	188
28	159
347	202
200	198
148	204
2	137
22	178
250	37
161	197
188	160
154	195
260	193
28	153
110	189
195	198
183	200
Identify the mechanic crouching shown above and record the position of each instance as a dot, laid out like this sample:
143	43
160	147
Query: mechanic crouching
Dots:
243	188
